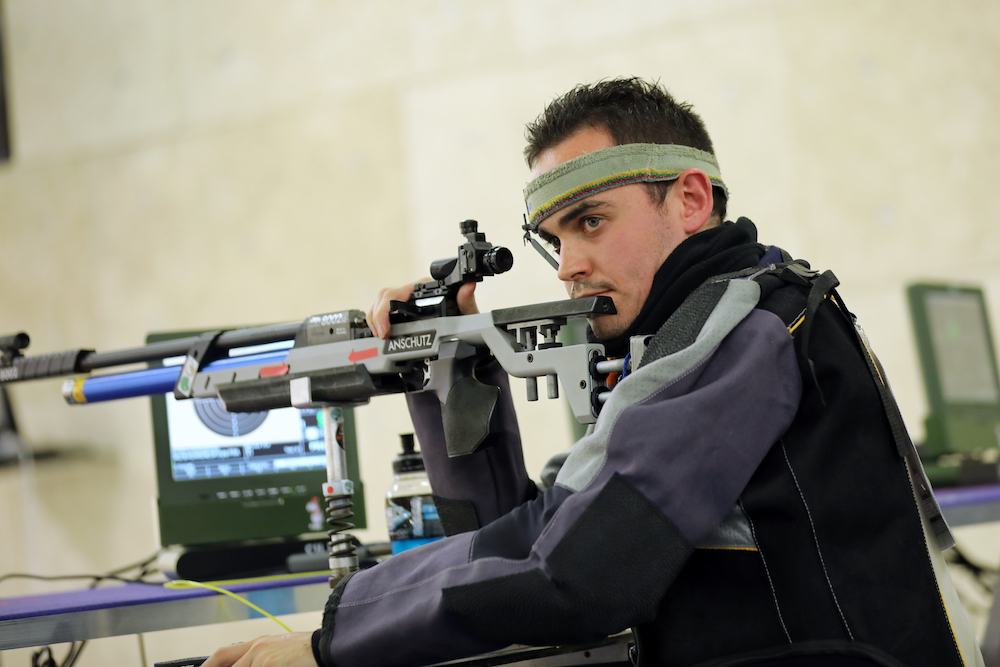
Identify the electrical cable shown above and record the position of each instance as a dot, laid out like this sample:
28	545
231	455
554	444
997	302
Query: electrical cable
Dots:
140	564
36	658
985	576
69	577
74	653
142	649
112	575
76	648
183	584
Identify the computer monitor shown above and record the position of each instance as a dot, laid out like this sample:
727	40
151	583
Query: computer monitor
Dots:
959	367
228	479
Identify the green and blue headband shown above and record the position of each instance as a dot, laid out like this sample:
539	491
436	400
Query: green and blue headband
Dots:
611	168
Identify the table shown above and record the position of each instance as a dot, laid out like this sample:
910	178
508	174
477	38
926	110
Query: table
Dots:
53	618
124	609
967	505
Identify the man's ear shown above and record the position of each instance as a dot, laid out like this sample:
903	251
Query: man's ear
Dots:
692	200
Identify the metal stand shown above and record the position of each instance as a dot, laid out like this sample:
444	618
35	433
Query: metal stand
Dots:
338	492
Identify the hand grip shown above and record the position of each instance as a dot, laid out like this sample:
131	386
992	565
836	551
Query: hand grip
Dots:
468	415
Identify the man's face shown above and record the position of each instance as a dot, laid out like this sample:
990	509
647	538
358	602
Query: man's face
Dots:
611	243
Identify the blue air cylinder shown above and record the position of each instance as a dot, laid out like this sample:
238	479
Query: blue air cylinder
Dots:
151	381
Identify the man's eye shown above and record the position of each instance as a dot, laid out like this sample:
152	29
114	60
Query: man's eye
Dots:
590	224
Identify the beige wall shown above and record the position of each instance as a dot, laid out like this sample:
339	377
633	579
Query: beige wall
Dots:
181	163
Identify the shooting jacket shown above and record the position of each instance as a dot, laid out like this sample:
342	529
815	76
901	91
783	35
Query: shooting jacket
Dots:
742	492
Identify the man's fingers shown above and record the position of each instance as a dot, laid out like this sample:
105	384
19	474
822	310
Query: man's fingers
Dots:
377	316
227	655
291	650
371	316
466	299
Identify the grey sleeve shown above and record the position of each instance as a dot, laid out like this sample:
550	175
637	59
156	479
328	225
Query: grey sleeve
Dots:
551	470
668	459
473	490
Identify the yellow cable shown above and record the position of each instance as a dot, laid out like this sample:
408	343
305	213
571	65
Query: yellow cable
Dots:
183	584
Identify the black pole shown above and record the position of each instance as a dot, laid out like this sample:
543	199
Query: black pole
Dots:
180	346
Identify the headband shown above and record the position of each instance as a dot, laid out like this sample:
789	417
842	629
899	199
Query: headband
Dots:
610	168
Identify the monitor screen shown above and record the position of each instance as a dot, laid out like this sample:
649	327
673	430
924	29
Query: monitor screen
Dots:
959	367
236	477
209	442
962	346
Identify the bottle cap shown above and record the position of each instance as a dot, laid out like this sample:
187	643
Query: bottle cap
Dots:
409	460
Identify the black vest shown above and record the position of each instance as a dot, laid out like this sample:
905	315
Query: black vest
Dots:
840	556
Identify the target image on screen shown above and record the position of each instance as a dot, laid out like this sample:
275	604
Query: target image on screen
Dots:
208	442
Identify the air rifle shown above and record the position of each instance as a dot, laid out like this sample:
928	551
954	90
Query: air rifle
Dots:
335	361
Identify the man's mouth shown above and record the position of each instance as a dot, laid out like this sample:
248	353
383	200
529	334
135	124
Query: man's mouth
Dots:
595	290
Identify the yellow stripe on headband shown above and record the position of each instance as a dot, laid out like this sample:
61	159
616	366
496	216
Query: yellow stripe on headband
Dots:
611	168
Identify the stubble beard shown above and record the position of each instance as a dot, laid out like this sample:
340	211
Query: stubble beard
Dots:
589	287
603	326
606	327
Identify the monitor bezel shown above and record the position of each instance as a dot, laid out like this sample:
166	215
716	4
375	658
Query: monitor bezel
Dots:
190	513
943	414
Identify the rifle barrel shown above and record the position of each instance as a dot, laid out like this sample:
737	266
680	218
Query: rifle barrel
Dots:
180	346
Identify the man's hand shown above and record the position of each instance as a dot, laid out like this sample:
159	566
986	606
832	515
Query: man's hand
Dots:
294	650
378	313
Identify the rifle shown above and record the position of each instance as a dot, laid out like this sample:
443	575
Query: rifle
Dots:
335	361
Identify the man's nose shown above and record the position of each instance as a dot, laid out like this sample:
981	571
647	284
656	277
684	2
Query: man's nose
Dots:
574	264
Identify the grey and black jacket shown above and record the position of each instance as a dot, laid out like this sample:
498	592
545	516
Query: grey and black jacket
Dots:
742	492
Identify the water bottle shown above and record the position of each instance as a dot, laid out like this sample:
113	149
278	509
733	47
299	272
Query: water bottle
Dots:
410	514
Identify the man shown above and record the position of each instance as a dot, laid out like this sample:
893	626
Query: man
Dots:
743	492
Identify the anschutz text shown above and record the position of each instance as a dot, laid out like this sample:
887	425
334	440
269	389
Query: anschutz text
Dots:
416	341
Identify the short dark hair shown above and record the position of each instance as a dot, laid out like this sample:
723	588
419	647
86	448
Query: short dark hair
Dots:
633	111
